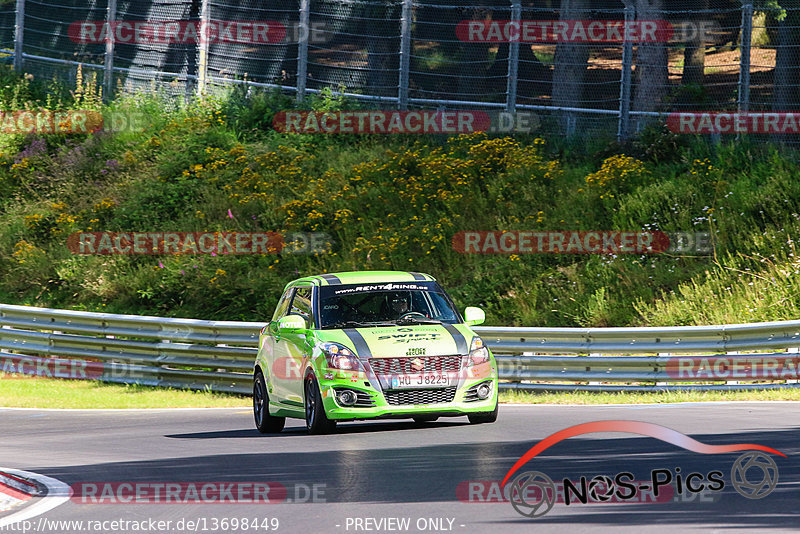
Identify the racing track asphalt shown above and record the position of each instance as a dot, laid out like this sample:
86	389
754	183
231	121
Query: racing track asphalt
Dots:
399	469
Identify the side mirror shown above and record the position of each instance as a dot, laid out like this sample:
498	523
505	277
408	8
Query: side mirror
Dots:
474	316
291	324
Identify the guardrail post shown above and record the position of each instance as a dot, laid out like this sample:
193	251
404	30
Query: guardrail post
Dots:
589	368
793	350
302	50
19	30
623	127
732	382
744	57
656	368
405	54
202	60
108	73
513	60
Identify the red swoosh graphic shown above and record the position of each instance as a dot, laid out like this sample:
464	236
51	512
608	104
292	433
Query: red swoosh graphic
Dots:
634	427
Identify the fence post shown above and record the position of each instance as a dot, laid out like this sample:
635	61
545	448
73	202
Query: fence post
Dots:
202	61
572	123
513	60
744	56
405	54
19	29
302	50
625	80
108	73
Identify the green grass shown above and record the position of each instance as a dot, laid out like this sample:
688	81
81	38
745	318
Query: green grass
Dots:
587	397
24	392
734	290
390	202
19	392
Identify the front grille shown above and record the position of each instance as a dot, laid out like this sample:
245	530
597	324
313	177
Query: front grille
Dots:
419	364
420	396
363	399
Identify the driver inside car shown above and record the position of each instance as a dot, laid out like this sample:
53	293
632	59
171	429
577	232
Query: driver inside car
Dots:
400	305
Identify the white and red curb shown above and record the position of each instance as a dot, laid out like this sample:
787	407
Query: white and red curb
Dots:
18	488
15	490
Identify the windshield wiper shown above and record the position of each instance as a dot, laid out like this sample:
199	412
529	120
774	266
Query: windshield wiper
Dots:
358	324
418	320
344	324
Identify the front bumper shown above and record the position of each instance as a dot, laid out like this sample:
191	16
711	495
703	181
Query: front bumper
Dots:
463	401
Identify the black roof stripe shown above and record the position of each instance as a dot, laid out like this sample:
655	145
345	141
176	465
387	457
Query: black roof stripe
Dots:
418	276
461	343
359	343
331	278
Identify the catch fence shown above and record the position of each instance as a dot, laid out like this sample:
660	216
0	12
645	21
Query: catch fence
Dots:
566	61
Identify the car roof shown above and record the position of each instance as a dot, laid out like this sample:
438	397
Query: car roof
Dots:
361	277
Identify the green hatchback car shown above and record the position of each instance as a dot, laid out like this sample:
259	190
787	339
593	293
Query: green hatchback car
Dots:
369	345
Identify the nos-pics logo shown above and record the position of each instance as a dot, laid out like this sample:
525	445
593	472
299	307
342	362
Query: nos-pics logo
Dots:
754	474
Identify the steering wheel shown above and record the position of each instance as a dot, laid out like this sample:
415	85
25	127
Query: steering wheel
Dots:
408	314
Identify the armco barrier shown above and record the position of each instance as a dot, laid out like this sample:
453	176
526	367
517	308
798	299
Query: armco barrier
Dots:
155	351
219	355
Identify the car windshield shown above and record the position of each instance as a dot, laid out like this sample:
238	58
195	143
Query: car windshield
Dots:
351	305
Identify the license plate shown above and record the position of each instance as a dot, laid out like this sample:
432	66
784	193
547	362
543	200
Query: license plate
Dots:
419	381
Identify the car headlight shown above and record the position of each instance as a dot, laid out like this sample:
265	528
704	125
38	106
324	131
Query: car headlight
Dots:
340	357
478	353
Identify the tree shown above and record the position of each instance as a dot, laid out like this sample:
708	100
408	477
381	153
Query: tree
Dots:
786	81
383	47
571	59
694	55
652	75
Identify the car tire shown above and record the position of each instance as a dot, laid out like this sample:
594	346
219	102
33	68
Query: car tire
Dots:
484	417
265	423
317	421
421	419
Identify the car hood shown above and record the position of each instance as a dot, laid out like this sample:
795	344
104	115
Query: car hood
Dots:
396	341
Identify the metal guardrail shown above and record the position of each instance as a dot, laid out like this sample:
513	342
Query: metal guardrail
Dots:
717	357
219	355
155	351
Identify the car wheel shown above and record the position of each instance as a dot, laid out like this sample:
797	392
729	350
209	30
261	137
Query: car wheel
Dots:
317	421
425	419
483	417
265	423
